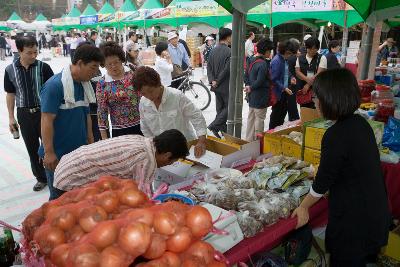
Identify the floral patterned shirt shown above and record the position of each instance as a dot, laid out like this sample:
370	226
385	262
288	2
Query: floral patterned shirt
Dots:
120	99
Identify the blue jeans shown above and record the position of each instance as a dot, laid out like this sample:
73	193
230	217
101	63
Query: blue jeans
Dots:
54	192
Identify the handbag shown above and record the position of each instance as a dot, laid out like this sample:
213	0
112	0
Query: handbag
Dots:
302	98
177	71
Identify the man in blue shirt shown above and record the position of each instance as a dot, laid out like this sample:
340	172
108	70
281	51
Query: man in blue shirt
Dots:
66	123
179	56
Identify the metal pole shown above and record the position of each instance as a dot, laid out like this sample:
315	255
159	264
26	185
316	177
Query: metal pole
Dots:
367	49
233	71
345	39
239	77
271	28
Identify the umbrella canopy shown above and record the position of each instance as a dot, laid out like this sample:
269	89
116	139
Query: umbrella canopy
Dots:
151	4
89	11
376	10
174	2
15	18
74	13
128	6
107	9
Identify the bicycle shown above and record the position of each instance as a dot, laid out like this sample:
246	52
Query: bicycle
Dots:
194	90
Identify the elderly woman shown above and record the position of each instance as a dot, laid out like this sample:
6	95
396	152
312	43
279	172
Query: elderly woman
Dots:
163	108
116	95
132	56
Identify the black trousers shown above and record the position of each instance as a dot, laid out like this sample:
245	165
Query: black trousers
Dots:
279	111
30	130
127	131
292	110
357	262
219	124
72	51
95	128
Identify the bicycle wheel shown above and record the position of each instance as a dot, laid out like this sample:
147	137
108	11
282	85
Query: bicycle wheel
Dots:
199	94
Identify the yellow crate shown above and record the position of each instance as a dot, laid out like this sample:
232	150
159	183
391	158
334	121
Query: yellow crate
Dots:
272	144
313	137
312	156
275	144
393	248
291	148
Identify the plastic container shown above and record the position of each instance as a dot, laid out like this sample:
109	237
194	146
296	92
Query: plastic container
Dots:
175	197
384	99
366	87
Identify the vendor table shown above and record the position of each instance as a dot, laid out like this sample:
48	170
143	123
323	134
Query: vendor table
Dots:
273	235
391	173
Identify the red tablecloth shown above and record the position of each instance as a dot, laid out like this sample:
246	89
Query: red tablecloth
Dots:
392	179
274	235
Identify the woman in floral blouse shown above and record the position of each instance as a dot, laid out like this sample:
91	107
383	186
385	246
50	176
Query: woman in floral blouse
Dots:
116	95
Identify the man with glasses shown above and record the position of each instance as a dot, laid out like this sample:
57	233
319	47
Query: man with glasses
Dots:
23	80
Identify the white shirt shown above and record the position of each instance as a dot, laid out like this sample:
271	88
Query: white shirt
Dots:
74	43
176	111
165	70
323	63
249	48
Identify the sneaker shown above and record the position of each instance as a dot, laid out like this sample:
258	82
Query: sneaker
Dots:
39	186
215	133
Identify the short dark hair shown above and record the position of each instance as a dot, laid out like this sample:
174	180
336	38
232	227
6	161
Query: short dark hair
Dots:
78	34
160	47
111	48
285	46
264	45
312	42
131	34
296	43
250	34
338	93
25	41
172	141
93	33
87	53
224	33
146	76
332	44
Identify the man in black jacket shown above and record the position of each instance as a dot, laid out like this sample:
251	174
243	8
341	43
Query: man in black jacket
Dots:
3	46
258	86
218	72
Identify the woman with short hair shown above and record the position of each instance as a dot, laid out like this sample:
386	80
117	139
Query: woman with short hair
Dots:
117	95
163	64
350	170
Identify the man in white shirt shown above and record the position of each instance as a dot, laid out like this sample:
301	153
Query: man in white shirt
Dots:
249	46
163	108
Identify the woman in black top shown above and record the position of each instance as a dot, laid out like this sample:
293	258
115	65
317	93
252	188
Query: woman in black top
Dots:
350	169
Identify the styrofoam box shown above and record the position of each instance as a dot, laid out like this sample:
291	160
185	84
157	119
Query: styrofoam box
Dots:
230	224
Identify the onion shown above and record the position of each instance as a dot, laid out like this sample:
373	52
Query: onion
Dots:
216	264
75	233
59	255
62	218
172	259
145	216
202	250
49	207
114	257
104	234
107	183
157	247
199	220
135	238
180	241
87	193
32	222
132	197
89	217
193	262
48	237
165	223
108	201
156	263
84	255
128	183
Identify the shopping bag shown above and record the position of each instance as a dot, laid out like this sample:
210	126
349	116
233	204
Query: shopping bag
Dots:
391	135
302	98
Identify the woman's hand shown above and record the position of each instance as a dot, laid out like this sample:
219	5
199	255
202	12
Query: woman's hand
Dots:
305	89
302	216
200	148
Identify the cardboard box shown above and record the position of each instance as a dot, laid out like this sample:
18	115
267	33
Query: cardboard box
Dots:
276	144
231	149
230	224
312	156
393	248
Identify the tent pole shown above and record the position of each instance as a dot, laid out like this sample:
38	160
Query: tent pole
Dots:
345	38
236	24
271	28
239	78
367	46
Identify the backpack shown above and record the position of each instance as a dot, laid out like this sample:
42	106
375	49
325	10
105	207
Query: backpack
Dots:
272	97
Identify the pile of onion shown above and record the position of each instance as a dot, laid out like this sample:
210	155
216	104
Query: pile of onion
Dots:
111	223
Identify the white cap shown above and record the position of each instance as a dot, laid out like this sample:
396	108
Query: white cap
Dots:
208	38
306	37
172	35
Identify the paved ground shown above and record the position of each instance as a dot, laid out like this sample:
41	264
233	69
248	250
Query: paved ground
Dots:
16	180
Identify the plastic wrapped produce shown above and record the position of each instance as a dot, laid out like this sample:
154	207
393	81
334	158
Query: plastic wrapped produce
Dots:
262	176
225	199
249	226
261	210
201	189
299	190
241	182
280	179
245	194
